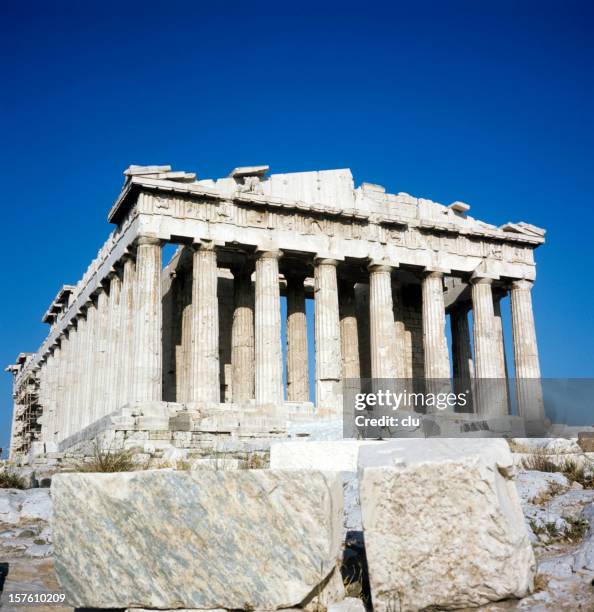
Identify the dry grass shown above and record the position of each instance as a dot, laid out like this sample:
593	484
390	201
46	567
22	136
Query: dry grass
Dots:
11	480
541	582
109	460
542	462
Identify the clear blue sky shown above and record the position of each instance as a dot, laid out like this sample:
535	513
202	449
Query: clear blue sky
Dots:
489	103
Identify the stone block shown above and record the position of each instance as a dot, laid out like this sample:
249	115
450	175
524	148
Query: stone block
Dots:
443	524
249	539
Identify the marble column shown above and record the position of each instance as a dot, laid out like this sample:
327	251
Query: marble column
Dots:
462	362
524	330
497	297
42	396
362	307
327	338
70	399
100	347
184	354
114	336
437	360
381	322
527	366
297	356
89	365
486	346
83	348
126	344
61	390
490	395
147	361
242	336
205	386
51	392
349	333
400	333
268	361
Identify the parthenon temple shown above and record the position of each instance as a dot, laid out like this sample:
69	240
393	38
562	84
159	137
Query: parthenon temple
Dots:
216	340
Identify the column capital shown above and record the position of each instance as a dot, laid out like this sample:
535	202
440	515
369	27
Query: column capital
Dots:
481	280
433	273
521	283
150	240
376	266
271	254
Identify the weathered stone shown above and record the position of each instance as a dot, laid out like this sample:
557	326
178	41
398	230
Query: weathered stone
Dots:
443	524
210	539
36	505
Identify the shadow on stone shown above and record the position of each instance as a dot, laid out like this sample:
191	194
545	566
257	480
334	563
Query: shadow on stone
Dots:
354	570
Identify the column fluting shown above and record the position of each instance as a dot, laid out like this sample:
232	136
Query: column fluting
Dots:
297	357
437	361
147	362
327	338
242	336
268	361
205	386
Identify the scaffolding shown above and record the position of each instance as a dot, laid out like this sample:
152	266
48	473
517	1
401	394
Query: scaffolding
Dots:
26	418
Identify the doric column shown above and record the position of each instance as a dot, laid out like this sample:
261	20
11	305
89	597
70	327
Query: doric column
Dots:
147	368
297	358
462	362
48	428
362	306
126	325
242	336
381	322
89	371
101	359
204	385
52	388
70	407
114	336
184	354
527	366
524	331
62	382
437	361
491	396
400	332
486	346
43	397
56	388
81	351
349	335
497	297
327	336
268	362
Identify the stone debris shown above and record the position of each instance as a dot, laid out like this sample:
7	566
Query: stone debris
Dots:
443	524
263	539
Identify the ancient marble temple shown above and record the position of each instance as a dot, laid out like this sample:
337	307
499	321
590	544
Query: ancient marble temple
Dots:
194	347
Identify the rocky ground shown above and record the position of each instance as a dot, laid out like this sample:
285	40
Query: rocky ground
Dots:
558	510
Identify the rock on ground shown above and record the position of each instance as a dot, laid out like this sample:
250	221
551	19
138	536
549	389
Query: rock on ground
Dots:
443	524
18	505
257	539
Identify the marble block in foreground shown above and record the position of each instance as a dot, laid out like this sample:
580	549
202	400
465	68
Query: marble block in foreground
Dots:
443	524
248	539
